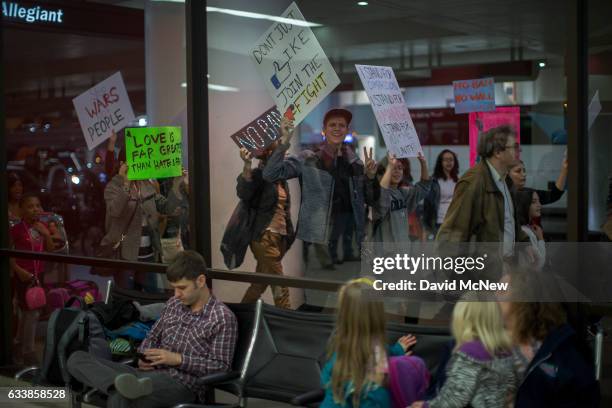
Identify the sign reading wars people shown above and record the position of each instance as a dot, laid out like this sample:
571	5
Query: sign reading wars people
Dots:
295	69
153	152
102	109
390	110
474	95
260	133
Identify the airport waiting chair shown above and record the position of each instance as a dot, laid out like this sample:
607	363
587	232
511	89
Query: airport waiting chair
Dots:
286	357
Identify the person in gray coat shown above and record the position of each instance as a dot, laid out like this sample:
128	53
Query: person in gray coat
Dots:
132	210
334	183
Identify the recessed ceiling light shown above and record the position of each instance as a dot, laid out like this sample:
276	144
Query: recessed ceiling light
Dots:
362	3
542	64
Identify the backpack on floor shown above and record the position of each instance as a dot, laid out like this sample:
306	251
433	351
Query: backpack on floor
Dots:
70	329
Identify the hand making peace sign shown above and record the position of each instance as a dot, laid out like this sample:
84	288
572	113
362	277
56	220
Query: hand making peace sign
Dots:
370	163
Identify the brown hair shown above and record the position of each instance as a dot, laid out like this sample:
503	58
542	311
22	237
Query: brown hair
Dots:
534	320
494	140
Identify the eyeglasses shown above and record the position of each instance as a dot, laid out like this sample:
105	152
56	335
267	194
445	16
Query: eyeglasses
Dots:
515	147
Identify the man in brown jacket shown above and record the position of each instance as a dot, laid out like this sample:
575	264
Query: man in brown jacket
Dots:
482	209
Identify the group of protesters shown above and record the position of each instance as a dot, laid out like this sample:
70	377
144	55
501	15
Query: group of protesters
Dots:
345	196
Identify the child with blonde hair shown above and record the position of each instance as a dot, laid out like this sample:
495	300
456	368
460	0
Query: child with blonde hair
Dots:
356	373
480	371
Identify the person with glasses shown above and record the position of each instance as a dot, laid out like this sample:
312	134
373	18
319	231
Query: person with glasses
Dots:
482	208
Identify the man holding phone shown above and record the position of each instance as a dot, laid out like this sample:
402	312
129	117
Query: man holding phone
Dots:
194	336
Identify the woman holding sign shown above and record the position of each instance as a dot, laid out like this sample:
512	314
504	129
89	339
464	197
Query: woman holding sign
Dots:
132	223
271	232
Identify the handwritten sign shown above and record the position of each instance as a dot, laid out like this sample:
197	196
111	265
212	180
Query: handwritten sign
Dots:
153	152
480	122
474	95
102	109
260	133
293	65
390	110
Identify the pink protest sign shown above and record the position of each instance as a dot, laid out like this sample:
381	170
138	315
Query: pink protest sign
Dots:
480	122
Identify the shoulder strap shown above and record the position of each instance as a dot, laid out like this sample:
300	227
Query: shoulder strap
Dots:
127	226
49	353
77	327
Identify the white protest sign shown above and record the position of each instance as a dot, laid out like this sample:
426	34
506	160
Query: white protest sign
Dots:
390	110
594	109
293	65
102	109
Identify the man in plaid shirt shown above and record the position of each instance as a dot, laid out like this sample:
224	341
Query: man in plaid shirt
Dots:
194	336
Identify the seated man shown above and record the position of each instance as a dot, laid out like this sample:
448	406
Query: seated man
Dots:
194	336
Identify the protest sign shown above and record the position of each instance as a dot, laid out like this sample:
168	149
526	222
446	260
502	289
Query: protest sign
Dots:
260	133
293	65
474	95
102	109
390	110
153	152
480	122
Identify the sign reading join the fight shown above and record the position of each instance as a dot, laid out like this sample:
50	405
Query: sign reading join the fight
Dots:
474	95
260	133
390	110
102	109
293	65
153	152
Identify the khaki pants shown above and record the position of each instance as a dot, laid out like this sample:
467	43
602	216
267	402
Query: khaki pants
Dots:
267	252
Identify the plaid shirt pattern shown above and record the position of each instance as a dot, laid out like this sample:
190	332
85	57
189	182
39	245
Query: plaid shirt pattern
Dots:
205	339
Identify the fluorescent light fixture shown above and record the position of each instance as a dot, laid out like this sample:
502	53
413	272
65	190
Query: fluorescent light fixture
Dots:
362	3
222	88
249	14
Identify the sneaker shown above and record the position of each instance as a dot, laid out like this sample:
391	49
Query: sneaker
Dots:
132	387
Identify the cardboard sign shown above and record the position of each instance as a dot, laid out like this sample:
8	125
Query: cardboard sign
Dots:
260	133
293	65
390	110
102	109
480	122
474	95
153	152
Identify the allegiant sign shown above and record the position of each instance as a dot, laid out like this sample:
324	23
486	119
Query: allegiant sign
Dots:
31	14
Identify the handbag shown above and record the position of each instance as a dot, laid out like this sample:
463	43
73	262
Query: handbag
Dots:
111	250
237	235
170	247
35	297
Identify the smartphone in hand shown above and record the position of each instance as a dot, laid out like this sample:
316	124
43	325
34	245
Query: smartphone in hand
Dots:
142	357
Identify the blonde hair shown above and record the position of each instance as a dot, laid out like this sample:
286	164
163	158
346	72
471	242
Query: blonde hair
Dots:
360	329
477	318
